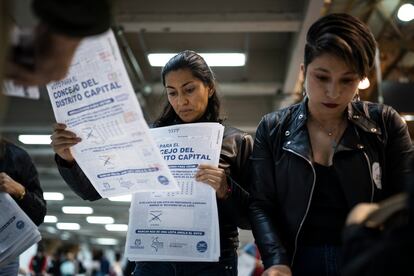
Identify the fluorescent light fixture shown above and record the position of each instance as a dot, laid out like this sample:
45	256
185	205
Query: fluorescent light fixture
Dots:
35	139
50	219
116	227
212	59
364	84
77	210
408	117
124	198
51	229
100	220
53	196
106	241
65	236
67	226
406	12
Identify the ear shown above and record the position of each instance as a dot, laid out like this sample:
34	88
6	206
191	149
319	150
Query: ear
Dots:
302	71
211	92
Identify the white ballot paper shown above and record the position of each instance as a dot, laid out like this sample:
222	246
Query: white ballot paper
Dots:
179	226
17	231
97	102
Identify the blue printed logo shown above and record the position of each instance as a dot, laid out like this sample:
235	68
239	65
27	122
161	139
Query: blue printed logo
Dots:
163	180
20	224
201	246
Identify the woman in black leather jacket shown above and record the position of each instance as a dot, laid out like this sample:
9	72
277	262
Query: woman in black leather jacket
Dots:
191	92
312	162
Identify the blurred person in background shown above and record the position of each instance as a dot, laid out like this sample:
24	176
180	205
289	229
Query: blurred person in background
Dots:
19	178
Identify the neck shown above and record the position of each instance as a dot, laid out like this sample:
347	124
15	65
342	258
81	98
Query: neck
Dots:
326	119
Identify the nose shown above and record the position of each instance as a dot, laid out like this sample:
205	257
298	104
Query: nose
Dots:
333	91
182	99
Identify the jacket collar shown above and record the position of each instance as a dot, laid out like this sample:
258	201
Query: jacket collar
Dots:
297	136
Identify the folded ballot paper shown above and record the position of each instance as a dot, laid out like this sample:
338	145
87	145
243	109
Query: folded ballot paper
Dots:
17	231
96	101
179	226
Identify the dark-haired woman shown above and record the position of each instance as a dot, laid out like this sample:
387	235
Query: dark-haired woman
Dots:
191	91
312	162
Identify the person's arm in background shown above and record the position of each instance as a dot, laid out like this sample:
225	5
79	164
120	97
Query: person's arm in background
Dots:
20	179
63	23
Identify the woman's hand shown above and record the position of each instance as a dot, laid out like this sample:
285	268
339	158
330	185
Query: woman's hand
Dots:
278	270
62	140
215	177
8	185
360	212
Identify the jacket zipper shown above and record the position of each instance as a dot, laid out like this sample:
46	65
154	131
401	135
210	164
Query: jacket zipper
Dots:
308	205
370	175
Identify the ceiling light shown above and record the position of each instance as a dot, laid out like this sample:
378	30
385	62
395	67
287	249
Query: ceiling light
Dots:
408	117
65	236
35	139
53	196
116	227
99	220
67	226
212	59
406	12
106	241
51	229
77	210
124	198
364	84
50	219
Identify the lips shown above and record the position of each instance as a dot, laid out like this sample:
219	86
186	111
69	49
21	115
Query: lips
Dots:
185	111
330	105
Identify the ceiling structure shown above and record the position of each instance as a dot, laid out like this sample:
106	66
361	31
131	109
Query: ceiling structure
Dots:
270	32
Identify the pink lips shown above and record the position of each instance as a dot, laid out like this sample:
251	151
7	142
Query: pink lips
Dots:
185	111
330	105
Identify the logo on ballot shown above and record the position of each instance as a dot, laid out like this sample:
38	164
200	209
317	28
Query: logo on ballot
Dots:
201	246
156	244
163	180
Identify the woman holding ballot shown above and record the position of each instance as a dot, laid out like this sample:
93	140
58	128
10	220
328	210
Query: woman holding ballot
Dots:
313	161
191	92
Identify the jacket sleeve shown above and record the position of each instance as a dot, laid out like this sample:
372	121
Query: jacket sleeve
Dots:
263	200
32	203
76	180
399	153
78	18
238	200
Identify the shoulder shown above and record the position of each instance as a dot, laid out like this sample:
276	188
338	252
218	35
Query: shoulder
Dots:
383	115
274	120
15	152
237	135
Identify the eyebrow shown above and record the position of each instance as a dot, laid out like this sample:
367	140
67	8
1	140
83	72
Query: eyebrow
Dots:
327	71
181	85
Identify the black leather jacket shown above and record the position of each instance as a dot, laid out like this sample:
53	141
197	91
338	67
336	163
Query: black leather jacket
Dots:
15	162
371	161
233	211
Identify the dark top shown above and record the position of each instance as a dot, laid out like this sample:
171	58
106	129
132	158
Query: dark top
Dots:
17	164
77	18
328	210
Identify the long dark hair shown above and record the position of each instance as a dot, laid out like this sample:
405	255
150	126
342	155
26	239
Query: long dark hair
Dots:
344	36
197	65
